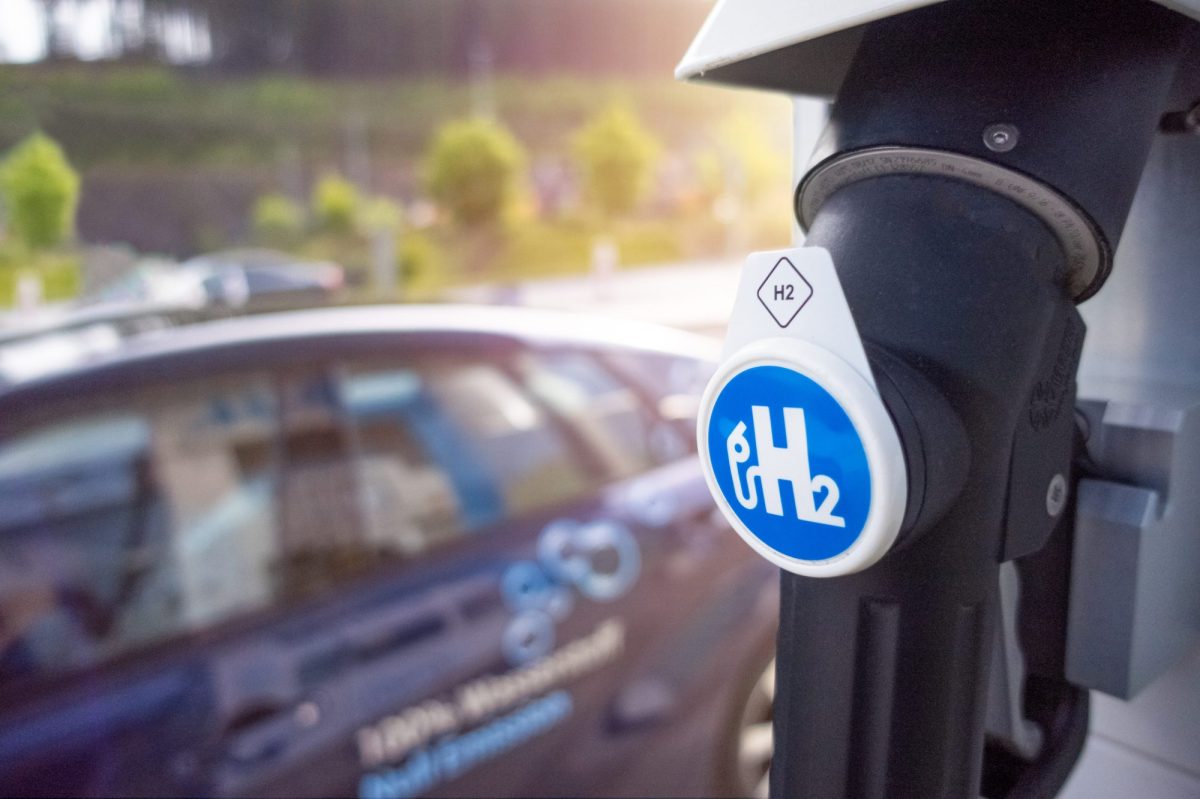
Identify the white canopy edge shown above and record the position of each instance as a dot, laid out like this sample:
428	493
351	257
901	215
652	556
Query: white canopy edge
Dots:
737	30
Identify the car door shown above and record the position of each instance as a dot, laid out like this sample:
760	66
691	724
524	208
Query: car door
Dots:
305	580
712	653
623	545
694	617
545	455
464	641
390	576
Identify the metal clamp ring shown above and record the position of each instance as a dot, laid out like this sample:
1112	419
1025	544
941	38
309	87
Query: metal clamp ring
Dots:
1088	256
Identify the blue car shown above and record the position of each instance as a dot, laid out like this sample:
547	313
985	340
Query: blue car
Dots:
376	552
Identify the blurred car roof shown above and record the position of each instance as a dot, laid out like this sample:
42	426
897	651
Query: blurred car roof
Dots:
55	341
26	326
306	335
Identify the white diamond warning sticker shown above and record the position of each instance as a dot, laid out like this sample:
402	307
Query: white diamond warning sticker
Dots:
784	292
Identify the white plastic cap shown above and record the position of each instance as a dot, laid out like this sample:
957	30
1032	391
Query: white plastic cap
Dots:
863	538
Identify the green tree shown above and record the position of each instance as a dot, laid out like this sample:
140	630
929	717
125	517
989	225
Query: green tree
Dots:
472	169
40	191
277	219
616	155
335	204
761	165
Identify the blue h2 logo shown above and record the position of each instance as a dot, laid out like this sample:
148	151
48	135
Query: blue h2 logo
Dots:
789	463
779	464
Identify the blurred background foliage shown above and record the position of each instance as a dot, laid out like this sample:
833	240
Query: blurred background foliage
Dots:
335	205
39	190
615	154
494	141
472	170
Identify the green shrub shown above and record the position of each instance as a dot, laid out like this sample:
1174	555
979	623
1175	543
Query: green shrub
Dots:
424	272
60	274
616	155
760	162
40	191
62	278
472	168
335	204
277	219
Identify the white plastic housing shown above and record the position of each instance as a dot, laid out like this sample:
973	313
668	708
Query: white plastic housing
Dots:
808	329
826	34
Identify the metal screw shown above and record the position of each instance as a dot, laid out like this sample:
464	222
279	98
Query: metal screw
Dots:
1000	138
1056	495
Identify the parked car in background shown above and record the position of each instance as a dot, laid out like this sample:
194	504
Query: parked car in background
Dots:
380	552
154	281
259	279
247	279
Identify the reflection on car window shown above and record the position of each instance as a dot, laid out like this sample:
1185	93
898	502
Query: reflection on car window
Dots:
321	525
674	382
126	527
606	413
70	496
461	426
214	460
410	497
183	508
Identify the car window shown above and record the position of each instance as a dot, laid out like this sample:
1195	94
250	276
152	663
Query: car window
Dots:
410	498
321	533
605	411
126	526
450	445
674	382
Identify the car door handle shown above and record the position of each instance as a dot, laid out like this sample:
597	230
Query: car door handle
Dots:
251	716
256	733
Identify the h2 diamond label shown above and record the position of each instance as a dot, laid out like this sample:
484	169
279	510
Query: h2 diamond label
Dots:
784	292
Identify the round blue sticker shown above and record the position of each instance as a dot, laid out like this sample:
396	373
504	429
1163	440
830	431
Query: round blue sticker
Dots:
789	463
